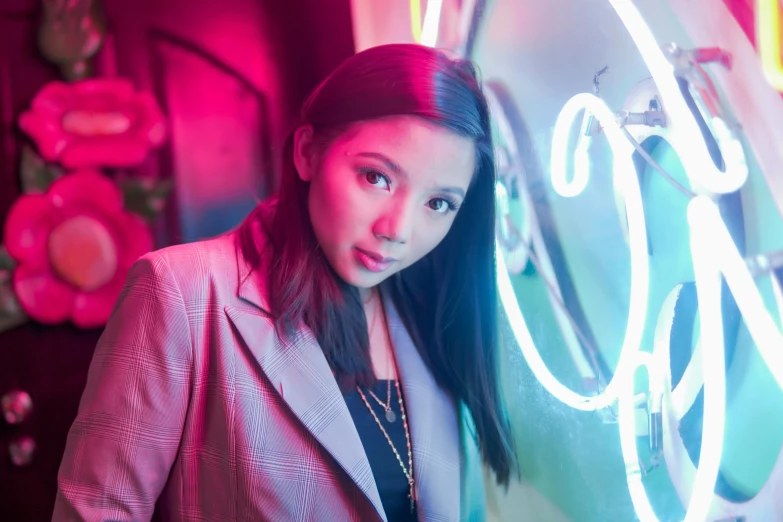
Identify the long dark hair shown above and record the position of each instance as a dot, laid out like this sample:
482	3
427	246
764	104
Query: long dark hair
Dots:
447	300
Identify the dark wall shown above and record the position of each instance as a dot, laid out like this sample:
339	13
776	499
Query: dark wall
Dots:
303	40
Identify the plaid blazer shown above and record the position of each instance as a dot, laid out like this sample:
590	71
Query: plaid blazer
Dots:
193	403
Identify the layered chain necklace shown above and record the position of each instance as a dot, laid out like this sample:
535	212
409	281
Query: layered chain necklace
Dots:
407	470
391	417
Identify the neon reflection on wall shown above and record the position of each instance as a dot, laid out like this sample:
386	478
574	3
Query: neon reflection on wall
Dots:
713	253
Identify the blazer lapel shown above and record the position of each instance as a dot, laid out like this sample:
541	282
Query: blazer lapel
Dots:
301	375
434	425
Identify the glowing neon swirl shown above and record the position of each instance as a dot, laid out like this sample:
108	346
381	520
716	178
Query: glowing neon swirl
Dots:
531	238
687	141
713	253
707	271
625	176
768	41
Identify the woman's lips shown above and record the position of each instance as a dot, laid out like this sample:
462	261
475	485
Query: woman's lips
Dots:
372	261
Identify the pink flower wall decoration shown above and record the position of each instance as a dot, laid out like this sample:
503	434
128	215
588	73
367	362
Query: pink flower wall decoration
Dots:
99	122
73	246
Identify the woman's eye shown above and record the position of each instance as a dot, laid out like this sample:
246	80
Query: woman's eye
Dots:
441	205
377	179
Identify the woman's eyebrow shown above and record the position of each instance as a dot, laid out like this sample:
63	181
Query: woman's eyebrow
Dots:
385	160
452	190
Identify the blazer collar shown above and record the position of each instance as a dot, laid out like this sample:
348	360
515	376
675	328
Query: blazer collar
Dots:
301	375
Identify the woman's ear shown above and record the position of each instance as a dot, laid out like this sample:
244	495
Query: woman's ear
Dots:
304	152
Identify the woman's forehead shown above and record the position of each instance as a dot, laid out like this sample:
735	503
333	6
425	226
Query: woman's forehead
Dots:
412	143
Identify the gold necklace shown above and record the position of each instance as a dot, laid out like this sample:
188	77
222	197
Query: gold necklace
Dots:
390	415
409	470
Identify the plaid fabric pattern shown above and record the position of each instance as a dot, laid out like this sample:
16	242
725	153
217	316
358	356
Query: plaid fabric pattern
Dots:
193	402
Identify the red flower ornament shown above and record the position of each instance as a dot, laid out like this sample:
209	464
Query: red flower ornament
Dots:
94	123
73	246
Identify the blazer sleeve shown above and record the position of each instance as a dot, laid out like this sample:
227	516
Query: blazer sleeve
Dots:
126	436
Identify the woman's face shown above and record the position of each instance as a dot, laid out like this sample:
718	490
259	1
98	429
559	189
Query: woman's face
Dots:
384	193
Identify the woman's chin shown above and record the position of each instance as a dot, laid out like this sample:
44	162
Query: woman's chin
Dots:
362	278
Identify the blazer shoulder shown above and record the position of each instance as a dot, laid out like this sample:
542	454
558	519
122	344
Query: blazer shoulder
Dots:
215	270
195	267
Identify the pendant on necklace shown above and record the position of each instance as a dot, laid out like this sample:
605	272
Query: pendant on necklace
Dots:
390	416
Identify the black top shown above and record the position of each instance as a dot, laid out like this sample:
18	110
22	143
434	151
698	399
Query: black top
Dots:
389	477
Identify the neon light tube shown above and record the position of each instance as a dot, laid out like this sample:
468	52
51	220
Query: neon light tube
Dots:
416	20
688	143
625	176
708	291
713	253
768	40
581	158
425	33
429	31
705	220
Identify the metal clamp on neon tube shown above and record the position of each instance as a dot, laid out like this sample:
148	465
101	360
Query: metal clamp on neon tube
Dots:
651	118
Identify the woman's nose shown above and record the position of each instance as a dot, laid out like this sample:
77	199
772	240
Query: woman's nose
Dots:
396	225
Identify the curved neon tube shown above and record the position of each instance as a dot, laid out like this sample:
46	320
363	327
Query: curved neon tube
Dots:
678	462
708	291
533	240
705	220
525	341
689	145
625	175
713	253
581	170
581	158
659	375
768	38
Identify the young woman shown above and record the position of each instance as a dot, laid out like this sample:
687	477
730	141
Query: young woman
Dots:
335	358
